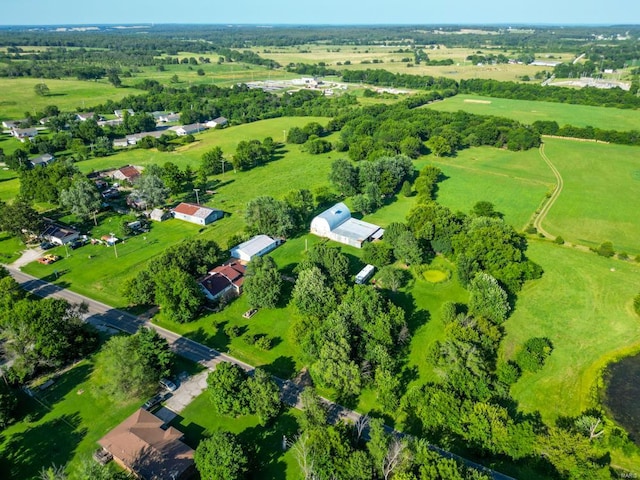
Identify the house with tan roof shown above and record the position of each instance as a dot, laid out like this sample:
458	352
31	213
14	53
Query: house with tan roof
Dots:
198	214
142	445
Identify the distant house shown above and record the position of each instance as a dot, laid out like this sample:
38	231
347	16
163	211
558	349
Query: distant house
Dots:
198	214
254	247
337	224
114	122
159	215
164	117
217	122
23	134
42	160
84	116
128	174
120	142
134	138
134	201
223	280
59	235
143	445
11	124
190	129
120	113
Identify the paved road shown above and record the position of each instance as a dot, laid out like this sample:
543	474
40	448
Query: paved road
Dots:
102	315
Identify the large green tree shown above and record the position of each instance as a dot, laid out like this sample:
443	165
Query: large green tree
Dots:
266	215
263	283
82	198
221	457
178	295
151	189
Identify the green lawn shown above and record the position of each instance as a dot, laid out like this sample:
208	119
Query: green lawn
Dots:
600	196
271	462
515	182
63	426
528	111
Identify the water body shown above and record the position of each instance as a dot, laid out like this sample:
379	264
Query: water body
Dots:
623	394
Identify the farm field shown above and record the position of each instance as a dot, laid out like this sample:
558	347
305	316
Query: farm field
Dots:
600	196
515	182
583	304
529	111
387	59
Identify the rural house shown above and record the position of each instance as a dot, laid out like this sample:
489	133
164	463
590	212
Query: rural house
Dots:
337	224
190	129
254	247
84	116
59	235
217	122
23	134
120	113
42	160
198	214
143	445
224	280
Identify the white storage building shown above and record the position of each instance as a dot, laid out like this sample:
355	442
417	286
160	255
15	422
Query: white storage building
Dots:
336	224
256	246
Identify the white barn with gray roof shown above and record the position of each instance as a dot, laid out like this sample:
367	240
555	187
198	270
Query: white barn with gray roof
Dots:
337	224
254	247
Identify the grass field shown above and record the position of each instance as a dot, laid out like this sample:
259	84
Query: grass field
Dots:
388	60
583	304
197	421
63	426
600	196
515	182
528	111
19	97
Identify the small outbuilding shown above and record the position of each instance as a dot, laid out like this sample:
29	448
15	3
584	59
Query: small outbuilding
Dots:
254	247
365	274
42	160
127	174
159	215
198	214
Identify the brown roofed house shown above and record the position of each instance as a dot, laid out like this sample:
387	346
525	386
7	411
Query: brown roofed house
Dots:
223	280
142	446
128	173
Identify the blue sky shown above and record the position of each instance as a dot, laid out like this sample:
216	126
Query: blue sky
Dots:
264	12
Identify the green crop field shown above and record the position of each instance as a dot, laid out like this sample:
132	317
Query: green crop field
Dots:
515	182
529	111
600	196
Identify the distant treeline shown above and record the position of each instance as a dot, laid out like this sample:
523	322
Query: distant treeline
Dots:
631	137
388	79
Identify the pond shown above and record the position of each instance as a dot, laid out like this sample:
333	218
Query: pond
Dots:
623	394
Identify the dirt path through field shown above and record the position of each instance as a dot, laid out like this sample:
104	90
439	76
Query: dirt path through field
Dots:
539	218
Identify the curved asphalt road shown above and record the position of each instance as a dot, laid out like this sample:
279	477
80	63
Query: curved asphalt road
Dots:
100	315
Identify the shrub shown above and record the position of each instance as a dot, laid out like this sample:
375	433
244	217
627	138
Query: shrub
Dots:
232	331
636	304
249	338
534	353
508	372
559	240
531	230
406	189
623	256
263	343
605	250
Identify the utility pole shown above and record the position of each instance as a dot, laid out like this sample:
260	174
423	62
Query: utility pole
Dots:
197	198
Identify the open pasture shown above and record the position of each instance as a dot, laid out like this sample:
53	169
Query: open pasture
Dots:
584	304
601	194
18	95
515	182
529	111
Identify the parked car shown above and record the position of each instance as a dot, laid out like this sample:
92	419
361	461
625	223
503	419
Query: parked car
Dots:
155	400
168	385
46	245
77	243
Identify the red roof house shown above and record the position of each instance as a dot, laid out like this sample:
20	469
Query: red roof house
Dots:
223	280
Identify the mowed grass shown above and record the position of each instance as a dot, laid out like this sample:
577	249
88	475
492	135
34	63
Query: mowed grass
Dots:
583	304
601	194
63	425
529	111
264	443
18	95
515	182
